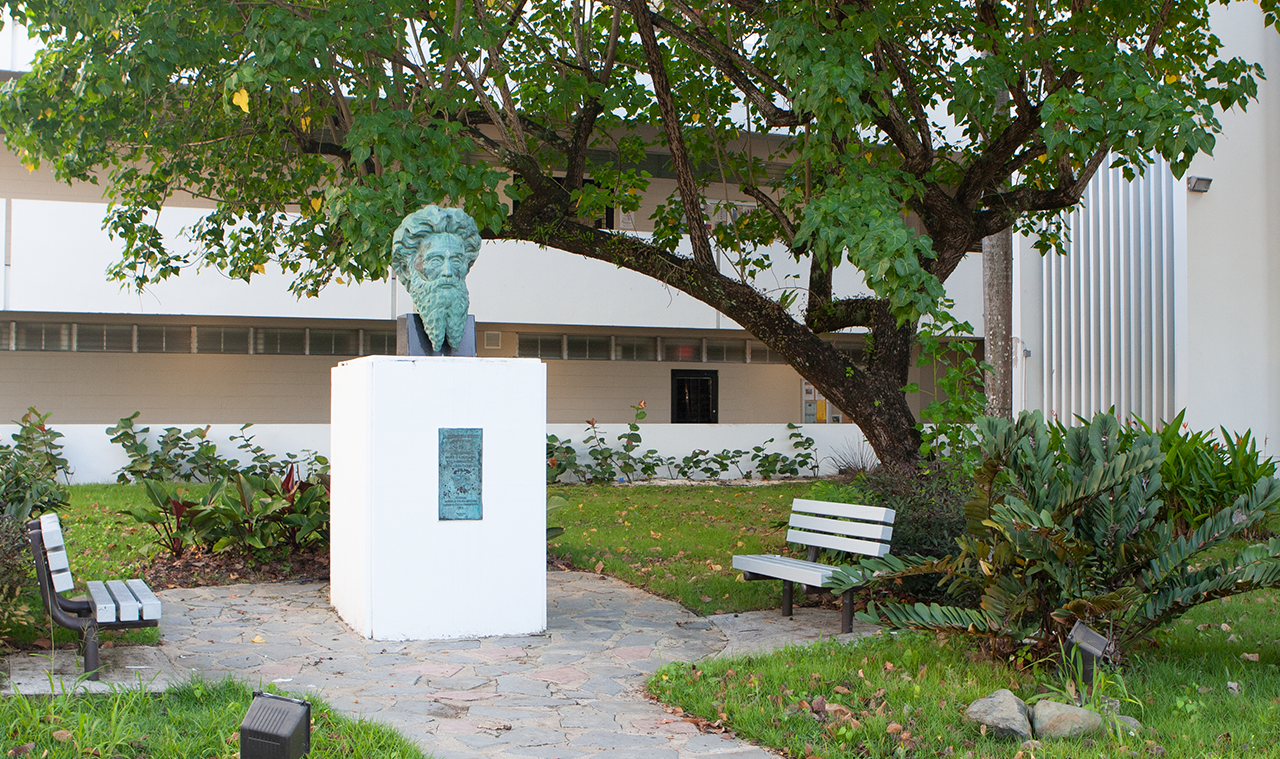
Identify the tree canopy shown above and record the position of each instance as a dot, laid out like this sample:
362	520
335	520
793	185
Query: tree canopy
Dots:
316	126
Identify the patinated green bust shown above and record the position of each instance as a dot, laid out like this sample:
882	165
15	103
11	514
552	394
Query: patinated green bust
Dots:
431	253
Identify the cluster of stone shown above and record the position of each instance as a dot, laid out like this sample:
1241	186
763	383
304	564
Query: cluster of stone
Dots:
1004	714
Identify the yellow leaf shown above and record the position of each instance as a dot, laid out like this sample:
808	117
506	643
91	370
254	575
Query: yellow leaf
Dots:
1171	78
257	639
115	33
260	268
305	121
241	98
339	280
315	204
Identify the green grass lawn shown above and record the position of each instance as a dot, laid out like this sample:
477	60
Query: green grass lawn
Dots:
677	542
197	719
907	693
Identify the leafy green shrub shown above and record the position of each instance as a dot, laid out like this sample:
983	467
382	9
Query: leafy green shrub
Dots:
1066	524
187	456
1201	475
266	515
172	516
929	501
16	576
562	458
30	469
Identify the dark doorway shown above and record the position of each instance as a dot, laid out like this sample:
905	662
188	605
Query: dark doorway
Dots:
695	396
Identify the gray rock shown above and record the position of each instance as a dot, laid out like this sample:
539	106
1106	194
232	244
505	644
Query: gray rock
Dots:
1003	713
1131	725
1054	720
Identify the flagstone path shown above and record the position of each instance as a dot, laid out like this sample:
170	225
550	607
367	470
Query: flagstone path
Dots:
573	692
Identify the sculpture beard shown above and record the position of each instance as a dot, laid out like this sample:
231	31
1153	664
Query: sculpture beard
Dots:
442	303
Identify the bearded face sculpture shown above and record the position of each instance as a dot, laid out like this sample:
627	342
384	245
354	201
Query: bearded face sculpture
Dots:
431	253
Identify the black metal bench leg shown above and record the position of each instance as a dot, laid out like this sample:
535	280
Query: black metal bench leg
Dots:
788	591
90	646
846	611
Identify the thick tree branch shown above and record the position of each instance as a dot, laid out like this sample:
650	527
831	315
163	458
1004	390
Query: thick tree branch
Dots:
775	210
689	195
732	64
842	313
1158	27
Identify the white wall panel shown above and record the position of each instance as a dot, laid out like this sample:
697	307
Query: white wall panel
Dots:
1100	321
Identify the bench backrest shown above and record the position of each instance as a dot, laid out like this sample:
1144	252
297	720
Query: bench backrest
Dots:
865	530
55	552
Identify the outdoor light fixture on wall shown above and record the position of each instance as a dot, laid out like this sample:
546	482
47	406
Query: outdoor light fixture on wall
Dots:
1198	184
275	727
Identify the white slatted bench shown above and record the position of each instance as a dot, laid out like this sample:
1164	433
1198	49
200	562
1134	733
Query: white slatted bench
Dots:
864	530
112	605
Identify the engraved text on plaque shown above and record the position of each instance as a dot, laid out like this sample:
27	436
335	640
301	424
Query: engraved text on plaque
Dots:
460	470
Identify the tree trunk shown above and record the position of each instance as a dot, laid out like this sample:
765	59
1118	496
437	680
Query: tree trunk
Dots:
997	313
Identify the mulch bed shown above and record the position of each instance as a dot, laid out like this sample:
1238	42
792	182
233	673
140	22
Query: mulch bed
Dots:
199	568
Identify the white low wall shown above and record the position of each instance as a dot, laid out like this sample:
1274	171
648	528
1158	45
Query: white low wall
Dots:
679	440
94	458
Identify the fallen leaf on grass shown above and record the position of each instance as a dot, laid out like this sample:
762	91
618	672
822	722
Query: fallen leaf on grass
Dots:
1234	688
599	566
62	736
893	729
1226	628
1203	627
1249	657
44	643
21	750
841	690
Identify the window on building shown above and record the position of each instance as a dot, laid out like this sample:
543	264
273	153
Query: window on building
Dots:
540	346
104	338
222	339
635	348
727	351
5	332
43	336
334	342
163	338
762	354
280	342
695	396
379	342
681	349
589	347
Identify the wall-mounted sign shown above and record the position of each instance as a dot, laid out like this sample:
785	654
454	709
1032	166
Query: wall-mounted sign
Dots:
460	472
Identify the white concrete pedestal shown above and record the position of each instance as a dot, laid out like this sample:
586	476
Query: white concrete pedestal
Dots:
399	572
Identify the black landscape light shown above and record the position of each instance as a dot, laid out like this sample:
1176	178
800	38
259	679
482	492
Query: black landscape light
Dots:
275	727
1199	184
1092	645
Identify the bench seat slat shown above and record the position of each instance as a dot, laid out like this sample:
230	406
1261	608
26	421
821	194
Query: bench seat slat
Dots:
150	604
127	607
879	532
846	510
784	568
104	604
836	543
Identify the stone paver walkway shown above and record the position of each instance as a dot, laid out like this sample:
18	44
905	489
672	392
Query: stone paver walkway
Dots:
572	692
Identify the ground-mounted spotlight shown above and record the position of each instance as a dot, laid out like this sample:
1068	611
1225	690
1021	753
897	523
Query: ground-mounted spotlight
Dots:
1093	646
1199	184
275	727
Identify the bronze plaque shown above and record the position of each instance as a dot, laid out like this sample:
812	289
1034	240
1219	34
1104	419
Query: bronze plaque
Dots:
460	473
